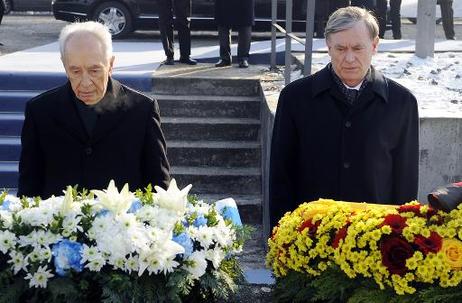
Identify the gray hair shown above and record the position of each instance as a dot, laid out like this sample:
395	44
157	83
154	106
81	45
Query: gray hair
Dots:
98	30
346	17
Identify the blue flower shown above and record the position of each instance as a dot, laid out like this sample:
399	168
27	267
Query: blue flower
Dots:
136	205
67	255
5	205
103	213
184	240
200	221
232	214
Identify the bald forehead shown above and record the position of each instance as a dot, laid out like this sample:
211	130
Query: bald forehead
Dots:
83	40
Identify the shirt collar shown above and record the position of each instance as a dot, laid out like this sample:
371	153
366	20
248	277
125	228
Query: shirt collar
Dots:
323	80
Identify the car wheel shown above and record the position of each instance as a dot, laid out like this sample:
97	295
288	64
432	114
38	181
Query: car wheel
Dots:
115	16
8	5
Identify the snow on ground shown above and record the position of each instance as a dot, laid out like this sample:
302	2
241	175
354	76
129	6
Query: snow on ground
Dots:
436	82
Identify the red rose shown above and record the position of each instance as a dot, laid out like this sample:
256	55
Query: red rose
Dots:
340	235
311	227
410	208
395	251
396	222
431	244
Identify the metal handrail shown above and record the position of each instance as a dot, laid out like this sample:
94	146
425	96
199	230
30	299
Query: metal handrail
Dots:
289	36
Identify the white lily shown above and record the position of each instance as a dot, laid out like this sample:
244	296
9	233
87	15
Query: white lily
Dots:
68	202
113	200
173	198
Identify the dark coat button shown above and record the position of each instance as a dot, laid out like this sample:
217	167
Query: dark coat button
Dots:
346	165
348	124
88	151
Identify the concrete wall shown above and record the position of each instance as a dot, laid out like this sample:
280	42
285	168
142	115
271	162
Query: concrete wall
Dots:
440	152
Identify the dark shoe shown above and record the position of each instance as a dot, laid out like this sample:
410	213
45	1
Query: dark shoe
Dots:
243	64
451	38
222	63
188	60
169	61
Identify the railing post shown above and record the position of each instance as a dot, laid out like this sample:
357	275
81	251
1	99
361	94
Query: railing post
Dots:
274	13
288	40
310	7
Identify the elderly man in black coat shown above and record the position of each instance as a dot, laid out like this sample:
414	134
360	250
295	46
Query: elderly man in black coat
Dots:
345	132
92	129
238	15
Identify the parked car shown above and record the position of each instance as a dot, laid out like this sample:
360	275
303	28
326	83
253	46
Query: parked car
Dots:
125	16
27	5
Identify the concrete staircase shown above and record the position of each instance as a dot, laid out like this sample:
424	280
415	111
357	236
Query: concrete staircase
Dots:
213	132
12	103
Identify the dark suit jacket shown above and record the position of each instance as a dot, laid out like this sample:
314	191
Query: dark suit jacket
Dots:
234	13
126	145
324	148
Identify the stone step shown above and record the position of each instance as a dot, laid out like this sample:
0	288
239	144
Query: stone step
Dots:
216	180
205	86
8	174
216	129
41	81
213	153
10	148
15	100
11	124
209	106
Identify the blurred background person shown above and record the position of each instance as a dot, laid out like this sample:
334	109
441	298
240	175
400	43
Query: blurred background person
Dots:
2	10
182	9
238	15
322	12
447	14
395	17
367	4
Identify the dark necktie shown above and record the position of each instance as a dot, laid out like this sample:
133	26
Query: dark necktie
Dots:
352	94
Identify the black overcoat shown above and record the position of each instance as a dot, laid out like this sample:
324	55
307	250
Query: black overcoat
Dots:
324	148
234	13
126	145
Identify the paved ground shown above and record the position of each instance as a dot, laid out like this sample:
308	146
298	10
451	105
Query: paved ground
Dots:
19	32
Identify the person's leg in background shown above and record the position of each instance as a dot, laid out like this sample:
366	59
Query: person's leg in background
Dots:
224	35
243	45
395	16
166	29
322	8
381	14
447	14
183	26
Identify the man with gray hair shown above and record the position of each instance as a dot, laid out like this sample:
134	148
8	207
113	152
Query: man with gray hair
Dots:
346	132
93	128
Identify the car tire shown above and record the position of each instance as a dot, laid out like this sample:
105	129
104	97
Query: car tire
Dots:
116	17
8	5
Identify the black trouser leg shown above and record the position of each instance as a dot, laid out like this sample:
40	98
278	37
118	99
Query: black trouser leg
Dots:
182	23
447	14
166	26
224	35
381	14
243	43
395	15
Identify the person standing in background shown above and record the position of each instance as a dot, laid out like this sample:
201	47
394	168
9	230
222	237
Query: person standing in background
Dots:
395	16
182	10
238	15
367	4
447	14
322	11
2	10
